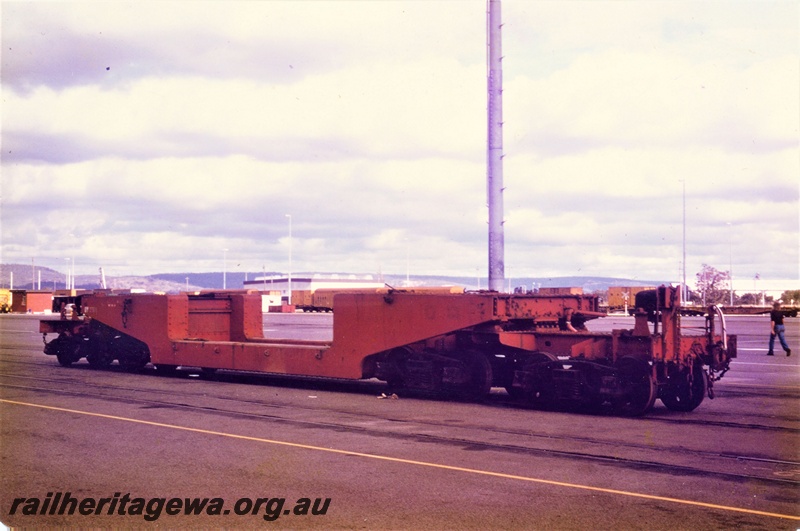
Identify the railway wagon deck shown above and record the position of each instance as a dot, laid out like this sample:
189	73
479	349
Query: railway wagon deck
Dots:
536	347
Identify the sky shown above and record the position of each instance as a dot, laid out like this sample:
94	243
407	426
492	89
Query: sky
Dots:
154	137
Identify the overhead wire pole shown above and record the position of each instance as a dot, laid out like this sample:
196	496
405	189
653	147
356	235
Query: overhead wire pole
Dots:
224	269
494	151
685	294
730	259
289	299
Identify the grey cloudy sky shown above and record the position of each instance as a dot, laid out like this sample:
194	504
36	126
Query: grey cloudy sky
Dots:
147	137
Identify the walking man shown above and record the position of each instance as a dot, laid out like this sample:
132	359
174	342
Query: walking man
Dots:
777	329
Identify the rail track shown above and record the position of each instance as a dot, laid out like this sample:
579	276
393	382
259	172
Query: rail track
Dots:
497	399
721	465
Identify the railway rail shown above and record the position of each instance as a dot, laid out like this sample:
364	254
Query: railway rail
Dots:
374	387
605	451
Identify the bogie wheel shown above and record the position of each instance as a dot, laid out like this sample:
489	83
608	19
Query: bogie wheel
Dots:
132	365
516	393
539	389
207	373
67	351
395	384
479	371
65	359
99	358
396	379
686	389
639	389
134	360
166	370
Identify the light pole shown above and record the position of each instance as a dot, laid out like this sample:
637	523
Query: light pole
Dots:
494	147
290	258
408	262
755	288
730	257
224	269
67	282
685	289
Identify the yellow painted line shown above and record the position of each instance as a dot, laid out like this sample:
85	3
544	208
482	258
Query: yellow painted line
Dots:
418	463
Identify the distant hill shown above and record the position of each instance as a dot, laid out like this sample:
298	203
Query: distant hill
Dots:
22	274
52	279
175	282
589	284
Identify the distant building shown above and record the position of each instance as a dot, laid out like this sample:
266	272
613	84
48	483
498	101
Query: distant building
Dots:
621	298
26	301
561	291
312	283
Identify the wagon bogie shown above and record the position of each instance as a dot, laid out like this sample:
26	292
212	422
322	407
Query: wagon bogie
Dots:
462	373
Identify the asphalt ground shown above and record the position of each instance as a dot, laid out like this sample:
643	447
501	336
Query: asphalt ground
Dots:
263	445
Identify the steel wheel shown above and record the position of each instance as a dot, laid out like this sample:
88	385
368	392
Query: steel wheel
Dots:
207	373
67	350
638	388
396	378
479	376
538	389
686	389
64	359
166	370
134	360
516	393
98	357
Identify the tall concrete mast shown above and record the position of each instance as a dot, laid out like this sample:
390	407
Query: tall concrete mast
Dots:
494	151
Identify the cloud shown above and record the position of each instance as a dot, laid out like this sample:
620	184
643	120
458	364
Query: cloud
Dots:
370	112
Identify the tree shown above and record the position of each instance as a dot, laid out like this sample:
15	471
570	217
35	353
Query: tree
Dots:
750	298
711	285
791	297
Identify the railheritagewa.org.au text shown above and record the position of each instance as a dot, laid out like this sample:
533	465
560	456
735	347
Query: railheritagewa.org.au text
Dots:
151	509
